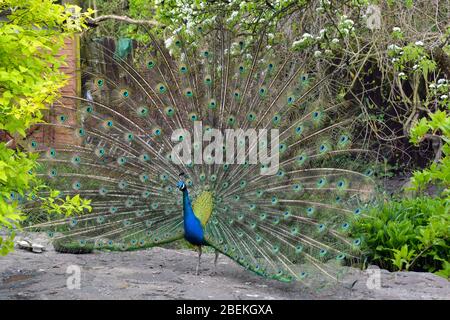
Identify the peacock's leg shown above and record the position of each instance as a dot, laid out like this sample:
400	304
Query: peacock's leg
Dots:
198	263
215	261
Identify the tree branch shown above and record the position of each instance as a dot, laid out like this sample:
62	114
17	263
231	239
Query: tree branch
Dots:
94	22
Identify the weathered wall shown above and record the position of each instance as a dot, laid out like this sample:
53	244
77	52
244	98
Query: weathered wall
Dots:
51	135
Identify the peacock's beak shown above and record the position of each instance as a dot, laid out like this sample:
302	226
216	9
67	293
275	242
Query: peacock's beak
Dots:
181	186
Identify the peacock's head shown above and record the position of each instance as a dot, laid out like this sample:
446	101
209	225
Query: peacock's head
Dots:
181	185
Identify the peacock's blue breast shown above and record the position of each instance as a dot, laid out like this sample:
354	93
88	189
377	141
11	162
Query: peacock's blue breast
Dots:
193	230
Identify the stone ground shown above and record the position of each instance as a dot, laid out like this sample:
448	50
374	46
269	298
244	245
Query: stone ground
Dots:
160	273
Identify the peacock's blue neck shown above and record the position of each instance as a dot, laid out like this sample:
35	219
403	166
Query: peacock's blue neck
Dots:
193	230
187	207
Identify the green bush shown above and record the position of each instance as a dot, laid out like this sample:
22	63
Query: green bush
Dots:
32	33
408	234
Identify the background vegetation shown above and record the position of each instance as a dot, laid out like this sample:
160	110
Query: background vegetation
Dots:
401	65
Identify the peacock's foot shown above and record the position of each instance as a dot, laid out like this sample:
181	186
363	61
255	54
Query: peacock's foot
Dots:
197	271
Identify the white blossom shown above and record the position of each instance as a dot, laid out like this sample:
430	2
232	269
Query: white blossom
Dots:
349	21
441	81
168	42
335	40
444	96
419	43
317	53
176	31
396	29
393	47
232	16
298	42
401	74
190	27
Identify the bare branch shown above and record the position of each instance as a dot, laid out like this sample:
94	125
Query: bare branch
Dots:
94	22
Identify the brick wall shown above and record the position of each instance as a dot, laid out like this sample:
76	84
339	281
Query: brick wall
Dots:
51	135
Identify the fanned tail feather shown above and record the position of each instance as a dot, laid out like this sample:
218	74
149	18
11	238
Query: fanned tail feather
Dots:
283	226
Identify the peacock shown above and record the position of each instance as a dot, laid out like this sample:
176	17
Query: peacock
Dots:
149	144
